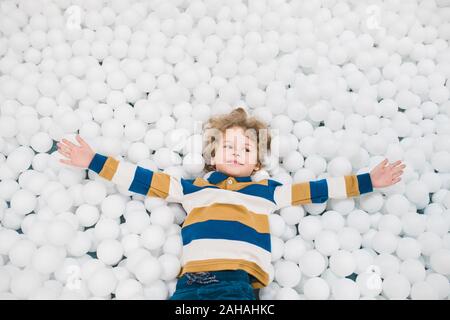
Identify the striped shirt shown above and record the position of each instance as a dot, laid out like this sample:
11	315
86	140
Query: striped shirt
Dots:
227	221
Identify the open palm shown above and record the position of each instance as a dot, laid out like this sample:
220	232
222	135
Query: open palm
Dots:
79	156
384	175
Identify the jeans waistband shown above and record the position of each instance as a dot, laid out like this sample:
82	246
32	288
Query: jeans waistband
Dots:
210	277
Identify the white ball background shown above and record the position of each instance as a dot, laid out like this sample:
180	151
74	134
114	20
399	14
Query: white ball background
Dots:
342	84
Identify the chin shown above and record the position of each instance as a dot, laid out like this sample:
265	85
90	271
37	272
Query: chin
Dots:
236	171
233	170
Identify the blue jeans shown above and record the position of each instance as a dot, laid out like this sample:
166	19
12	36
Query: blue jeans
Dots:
214	285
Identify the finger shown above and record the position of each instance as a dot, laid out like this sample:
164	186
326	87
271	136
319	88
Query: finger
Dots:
65	148
397	169
397	174
388	169
66	154
81	141
63	144
398	164
396	180
65	161
69	143
382	163
394	164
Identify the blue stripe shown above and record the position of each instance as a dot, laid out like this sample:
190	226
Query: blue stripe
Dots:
364	183
218	176
243	179
97	162
189	187
319	191
226	230
258	190
141	181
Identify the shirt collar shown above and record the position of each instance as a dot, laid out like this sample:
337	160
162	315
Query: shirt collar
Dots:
217	176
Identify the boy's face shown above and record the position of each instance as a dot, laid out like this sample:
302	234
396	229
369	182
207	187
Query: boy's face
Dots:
236	154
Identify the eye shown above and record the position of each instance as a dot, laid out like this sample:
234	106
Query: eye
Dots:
247	149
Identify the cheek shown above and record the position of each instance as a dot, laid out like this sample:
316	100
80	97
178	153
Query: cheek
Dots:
226	153
253	156
219	156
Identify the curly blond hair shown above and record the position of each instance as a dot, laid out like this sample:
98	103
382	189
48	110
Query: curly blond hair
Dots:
253	127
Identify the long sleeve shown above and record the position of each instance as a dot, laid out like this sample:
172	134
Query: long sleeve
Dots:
138	179
321	190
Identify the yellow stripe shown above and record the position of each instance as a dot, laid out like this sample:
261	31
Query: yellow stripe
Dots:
240	185
160	185
229	212
200	182
252	268
109	168
301	193
351	185
257	285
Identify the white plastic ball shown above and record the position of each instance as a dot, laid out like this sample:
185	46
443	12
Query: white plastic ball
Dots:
87	215
287	274
148	270
110	251
316	289
60	232
342	263
113	206
102	282
396	286
312	263
106	228
47	259
23	202
153	237
345	289
162	216
170	266
94	192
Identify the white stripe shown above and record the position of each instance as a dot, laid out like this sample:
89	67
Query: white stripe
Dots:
336	187
283	195
204	249
124	174
175	190
208	196
207	175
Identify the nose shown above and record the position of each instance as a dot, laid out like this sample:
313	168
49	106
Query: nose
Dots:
236	153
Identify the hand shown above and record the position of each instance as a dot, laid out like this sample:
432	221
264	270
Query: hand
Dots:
383	176
79	156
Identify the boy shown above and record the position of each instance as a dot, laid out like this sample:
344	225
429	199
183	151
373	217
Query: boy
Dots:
226	233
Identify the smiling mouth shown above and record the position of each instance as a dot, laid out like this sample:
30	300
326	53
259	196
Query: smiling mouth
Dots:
235	163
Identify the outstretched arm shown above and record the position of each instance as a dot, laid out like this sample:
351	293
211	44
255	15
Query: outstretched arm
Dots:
133	177
319	191
337	187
